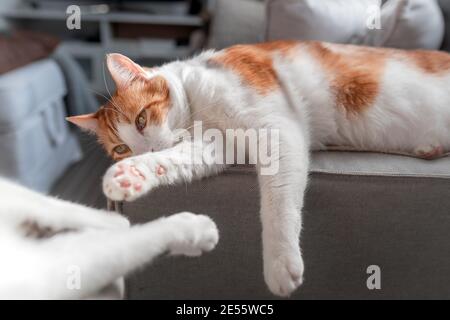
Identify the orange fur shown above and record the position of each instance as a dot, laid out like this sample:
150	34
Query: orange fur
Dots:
355	71
354	74
253	63
435	62
126	104
284	47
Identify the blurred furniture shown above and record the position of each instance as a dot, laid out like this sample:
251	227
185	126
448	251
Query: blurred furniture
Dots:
37	145
361	209
404	24
135	34
19	47
407	24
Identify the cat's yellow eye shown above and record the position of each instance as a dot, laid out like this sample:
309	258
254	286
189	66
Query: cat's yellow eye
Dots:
141	120
121	149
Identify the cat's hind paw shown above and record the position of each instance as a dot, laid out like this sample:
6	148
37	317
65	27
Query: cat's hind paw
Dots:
194	234
126	180
429	152
284	273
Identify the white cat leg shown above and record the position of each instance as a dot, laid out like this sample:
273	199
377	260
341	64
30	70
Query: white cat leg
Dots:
76	215
102	256
133	177
51	212
281	204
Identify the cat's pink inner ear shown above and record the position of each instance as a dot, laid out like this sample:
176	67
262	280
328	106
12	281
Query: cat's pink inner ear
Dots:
87	122
123	70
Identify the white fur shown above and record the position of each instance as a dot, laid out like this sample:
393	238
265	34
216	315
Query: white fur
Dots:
101	244
412	109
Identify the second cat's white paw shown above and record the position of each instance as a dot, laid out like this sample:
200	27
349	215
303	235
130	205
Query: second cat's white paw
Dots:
194	234
284	272
127	180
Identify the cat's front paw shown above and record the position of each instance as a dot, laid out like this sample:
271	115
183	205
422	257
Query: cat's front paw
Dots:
194	234
284	272
127	180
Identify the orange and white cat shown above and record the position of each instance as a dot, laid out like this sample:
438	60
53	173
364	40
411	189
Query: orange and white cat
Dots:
316	95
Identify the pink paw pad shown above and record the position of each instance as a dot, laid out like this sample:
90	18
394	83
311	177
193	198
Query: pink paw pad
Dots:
137	187
135	172
125	184
160	170
433	153
119	173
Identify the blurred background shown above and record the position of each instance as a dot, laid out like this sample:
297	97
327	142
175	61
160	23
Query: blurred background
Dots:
151	32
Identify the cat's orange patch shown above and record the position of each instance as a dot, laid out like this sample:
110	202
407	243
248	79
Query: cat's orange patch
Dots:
253	63
430	61
354	73
126	104
284	47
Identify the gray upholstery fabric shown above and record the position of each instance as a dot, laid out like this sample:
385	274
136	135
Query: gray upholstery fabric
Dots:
365	210
371	163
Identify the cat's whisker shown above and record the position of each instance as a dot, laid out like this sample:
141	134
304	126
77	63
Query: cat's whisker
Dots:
116	110
100	94
108	99
106	86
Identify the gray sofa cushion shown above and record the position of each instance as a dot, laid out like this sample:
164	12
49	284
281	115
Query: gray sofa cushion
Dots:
377	164
360	209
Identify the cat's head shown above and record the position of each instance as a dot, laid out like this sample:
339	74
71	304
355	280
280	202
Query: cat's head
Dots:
137	118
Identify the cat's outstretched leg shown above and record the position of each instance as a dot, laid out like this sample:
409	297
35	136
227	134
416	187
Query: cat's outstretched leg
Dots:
281	203
102	256
133	177
48	212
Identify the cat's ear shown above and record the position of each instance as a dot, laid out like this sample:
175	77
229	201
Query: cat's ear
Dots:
123	70
88	122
